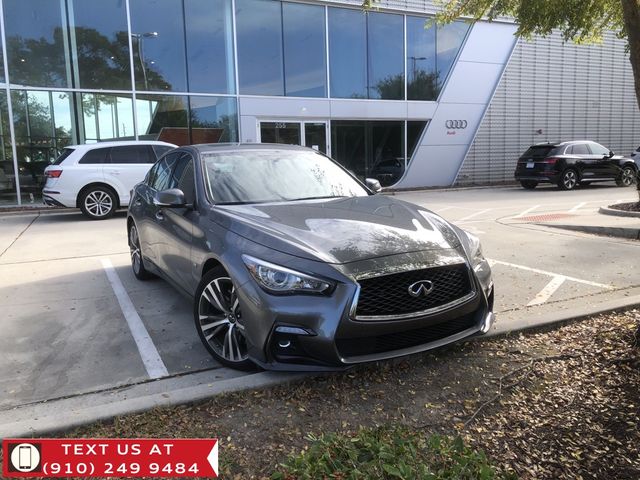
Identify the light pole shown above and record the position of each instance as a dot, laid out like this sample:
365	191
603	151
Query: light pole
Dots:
139	38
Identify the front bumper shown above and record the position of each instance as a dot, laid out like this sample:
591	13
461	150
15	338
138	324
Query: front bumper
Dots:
304	332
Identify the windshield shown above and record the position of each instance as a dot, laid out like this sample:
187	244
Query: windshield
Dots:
258	176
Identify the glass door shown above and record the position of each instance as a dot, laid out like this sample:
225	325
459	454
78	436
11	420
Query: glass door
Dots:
308	134
288	133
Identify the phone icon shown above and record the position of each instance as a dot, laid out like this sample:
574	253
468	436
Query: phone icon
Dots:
25	457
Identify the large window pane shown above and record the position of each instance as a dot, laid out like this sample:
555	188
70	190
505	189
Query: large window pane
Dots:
449	41
347	53
36	37
107	117
43	127
370	148
209	46
422	77
7	170
260	64
386	64
304	50
213	119
158	45
163	117
102	44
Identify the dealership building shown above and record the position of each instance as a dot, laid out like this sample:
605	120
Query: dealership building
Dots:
389	94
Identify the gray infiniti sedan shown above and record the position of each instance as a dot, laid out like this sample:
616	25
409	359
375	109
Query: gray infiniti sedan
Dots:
294	264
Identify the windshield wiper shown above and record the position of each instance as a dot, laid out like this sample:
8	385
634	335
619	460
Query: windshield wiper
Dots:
315	198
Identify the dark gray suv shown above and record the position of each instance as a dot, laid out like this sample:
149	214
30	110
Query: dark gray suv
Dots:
292	263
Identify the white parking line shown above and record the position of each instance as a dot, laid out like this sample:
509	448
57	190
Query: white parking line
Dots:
469	217
544	294
551	274
577	207
150	357
443	209
525	212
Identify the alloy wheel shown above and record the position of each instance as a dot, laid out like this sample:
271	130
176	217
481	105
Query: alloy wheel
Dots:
98	203
569	179
134	247
219	320
627	177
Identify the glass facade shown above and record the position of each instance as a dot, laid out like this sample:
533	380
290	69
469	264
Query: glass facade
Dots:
80	71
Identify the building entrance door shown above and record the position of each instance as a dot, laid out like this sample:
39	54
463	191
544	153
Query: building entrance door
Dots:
308	134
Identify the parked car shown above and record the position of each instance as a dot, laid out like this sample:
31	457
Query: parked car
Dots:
569	164
292	263
98	178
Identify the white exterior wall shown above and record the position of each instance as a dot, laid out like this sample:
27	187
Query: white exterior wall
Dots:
567	92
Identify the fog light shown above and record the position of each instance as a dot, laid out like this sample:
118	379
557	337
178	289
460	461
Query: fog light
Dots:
284	343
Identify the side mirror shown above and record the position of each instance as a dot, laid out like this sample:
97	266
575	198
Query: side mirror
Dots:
611	154
373	185
172	198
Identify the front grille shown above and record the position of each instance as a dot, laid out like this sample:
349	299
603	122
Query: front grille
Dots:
354	347
389	294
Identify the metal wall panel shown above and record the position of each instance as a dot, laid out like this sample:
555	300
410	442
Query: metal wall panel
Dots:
564	90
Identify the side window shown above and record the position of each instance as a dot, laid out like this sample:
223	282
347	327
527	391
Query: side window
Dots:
160	150
164	172
151	175
597	149
183	177
580	149
95	156
131	154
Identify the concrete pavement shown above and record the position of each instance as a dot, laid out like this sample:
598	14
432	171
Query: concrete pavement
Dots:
67	347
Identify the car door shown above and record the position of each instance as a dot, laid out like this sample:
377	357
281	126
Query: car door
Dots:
128	165
153	234
607	165
177	226
582	159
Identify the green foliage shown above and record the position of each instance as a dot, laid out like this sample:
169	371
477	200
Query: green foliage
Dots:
388	453
579	20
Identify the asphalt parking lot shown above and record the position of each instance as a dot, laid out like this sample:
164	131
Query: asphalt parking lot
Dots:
75	320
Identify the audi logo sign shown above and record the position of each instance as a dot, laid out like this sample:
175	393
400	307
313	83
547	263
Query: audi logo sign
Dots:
455	124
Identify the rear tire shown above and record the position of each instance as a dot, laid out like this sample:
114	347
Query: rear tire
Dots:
137	262
98	202
568	179
218	319
529	184
627	177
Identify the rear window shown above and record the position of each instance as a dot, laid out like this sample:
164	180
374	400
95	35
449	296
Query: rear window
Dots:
92	157
541	151
65	153
132	154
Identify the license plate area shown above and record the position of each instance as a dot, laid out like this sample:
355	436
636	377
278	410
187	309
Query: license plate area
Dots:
530	164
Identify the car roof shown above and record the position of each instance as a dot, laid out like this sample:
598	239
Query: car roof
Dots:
220	147
91	146
562	144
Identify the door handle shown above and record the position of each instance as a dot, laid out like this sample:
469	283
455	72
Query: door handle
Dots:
160	215
114	172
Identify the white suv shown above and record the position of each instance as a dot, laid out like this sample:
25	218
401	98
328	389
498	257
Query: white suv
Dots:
98	178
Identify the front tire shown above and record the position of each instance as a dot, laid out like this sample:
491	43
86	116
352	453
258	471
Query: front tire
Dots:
137	262
626	178
98	203
218	319
529	184
568	179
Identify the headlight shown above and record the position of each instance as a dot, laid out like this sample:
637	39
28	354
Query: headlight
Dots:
277	279
475	249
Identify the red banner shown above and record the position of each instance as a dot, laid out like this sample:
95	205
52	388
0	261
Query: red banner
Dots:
102	457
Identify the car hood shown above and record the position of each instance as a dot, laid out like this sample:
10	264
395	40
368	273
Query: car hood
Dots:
340	230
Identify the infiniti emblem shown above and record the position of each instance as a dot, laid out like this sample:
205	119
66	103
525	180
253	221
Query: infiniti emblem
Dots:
421	288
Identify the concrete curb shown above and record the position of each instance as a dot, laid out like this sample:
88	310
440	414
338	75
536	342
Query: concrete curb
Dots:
619	232
556	319
618	213
62	415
